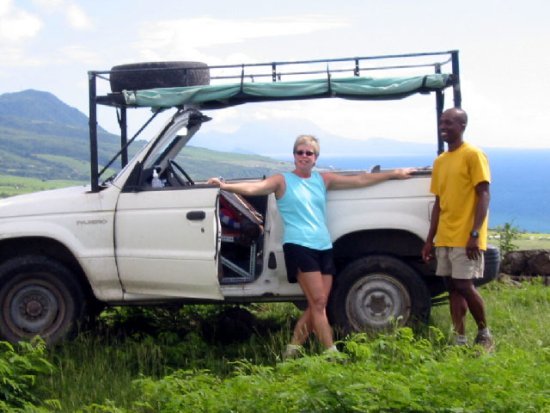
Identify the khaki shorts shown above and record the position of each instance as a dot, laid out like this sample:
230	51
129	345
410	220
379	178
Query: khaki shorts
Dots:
453	262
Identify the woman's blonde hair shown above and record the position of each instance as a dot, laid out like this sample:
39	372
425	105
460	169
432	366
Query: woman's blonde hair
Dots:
307	140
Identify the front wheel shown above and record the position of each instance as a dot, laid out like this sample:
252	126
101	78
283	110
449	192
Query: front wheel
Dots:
38	296
376	293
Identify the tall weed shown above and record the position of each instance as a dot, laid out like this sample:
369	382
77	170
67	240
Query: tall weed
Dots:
20	369
392	373
401	371
508	235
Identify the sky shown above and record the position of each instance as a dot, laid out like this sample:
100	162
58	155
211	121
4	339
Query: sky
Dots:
50	45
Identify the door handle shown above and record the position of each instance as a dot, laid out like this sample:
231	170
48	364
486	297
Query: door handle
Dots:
196	215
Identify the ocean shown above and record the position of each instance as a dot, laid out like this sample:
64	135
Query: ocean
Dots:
520	188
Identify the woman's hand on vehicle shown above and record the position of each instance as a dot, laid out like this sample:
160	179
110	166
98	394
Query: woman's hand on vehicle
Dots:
215	181
404	173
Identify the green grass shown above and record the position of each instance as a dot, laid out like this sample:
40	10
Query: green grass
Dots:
81	167
158	360
122	351
524	240
532	241
199	163
17	185
149	360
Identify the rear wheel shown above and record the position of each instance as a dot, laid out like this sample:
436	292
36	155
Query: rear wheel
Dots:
138	76
38	296
376	293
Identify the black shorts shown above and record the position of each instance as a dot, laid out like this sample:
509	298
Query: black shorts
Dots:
299	258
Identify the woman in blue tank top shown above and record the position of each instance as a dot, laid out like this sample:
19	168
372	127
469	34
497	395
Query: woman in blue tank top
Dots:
307	245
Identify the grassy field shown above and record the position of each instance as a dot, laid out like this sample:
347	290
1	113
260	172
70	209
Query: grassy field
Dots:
164	360
524	240
148	360
17	185
532	241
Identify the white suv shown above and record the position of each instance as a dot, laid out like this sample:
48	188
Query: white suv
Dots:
152	234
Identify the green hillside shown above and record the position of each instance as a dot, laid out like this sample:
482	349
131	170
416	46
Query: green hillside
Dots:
203	163
42	137
200	163
16	185
44	140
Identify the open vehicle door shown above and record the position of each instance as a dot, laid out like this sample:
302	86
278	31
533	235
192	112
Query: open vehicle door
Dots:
167	239
167	243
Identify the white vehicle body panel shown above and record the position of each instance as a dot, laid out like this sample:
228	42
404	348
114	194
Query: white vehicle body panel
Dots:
397	204
160	251
79	220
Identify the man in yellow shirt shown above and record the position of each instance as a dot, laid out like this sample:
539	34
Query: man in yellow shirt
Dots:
460	183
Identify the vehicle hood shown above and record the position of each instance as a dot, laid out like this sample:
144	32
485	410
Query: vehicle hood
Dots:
55	201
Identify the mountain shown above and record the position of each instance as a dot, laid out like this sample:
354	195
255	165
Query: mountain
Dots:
275	138
42	137
39	111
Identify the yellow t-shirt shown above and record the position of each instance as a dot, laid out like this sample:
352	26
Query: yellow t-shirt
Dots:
454	178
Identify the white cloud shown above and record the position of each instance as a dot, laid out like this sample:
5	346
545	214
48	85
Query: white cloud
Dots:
16	57
228	120
192	38
4	6
77	18
51	5
73	13
189	37
80	55
16	28
16	25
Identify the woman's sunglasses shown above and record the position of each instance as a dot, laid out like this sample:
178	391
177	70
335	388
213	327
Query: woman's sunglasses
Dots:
302	153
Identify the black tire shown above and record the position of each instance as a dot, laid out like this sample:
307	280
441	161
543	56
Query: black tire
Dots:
138	76
376	293
38	296
492	266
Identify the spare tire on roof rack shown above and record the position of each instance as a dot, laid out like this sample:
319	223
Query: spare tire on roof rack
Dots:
138	76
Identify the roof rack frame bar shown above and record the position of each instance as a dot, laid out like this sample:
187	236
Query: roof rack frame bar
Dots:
273	71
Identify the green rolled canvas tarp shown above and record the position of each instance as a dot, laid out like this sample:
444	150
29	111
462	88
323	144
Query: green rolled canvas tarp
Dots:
365	88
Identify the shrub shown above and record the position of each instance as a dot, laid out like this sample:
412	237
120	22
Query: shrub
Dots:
400	371
19	368
507	235
394	372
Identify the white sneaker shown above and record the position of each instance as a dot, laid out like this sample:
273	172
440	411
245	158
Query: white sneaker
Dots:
292	351
332	353
485	340
461	340
331	349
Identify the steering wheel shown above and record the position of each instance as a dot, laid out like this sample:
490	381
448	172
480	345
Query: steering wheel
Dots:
179	173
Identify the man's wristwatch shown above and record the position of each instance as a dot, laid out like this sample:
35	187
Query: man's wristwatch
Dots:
474	234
